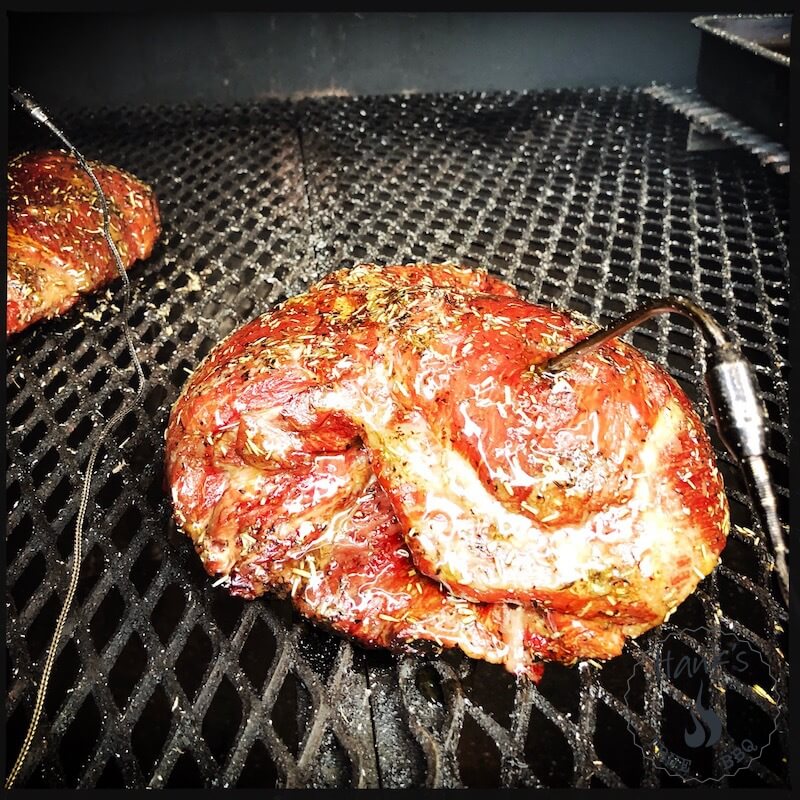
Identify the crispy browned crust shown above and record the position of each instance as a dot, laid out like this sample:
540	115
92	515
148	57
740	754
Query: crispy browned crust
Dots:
56	251
381	449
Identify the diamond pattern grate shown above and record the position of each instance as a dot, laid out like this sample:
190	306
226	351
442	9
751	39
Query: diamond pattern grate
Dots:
584	199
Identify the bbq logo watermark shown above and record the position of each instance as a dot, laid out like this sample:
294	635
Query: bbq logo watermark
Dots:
720	731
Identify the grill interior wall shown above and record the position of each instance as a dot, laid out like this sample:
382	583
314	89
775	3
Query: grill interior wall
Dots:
584	199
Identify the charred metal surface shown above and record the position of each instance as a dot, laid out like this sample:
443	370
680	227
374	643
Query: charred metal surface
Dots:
588	200
743	68
712	121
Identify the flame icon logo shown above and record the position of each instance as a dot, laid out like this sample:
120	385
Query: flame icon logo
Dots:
703	719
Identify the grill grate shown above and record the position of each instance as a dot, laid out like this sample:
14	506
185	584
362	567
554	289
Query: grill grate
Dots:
585	199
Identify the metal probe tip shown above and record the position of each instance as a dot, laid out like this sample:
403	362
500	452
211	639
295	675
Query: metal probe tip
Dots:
674	303
735	402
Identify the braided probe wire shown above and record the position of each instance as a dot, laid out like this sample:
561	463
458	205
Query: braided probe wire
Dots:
40	116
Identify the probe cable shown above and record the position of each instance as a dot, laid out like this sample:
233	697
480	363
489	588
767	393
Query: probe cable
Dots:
735	403
40	116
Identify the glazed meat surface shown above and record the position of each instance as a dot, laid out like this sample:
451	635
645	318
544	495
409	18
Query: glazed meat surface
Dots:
56	250
383	449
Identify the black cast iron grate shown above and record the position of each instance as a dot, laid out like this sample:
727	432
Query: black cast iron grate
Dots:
585	199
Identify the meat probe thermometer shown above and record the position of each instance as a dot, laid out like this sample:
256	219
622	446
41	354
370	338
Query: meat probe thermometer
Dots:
735	402
38	114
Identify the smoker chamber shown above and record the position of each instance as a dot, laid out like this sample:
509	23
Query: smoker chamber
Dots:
584	199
